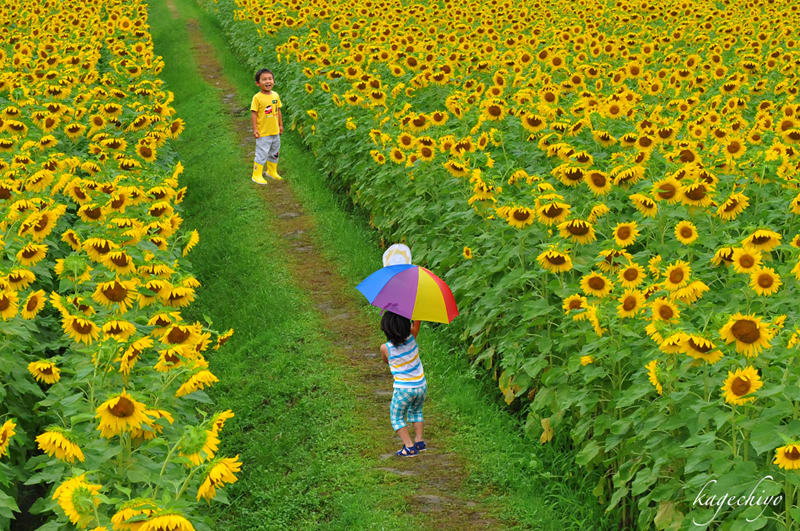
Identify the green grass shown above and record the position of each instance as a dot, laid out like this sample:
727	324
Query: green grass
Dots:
286	438
292	409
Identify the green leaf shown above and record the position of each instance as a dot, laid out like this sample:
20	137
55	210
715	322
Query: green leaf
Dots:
667	517
588	453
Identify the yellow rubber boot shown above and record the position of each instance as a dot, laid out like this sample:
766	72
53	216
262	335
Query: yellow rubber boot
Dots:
272	171
258	169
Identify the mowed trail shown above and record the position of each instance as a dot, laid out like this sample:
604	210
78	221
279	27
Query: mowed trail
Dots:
436	475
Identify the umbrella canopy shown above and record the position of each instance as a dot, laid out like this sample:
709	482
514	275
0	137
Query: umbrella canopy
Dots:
411	291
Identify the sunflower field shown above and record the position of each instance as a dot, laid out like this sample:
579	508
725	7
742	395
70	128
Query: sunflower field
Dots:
103	420
611	190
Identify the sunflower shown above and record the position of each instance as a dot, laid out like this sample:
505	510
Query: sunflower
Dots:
723	256
701	348
573	302
20	279
596	284
577	230
196	382
119	414
631	275
746	260
625	233
686	232
9	301
664	310
652	375
55	442
762	240
167	522
219	473
118	330
120	294
788	457
598	182
748	332
78	499
552	213
519	217
740	384
6	432
676	275
31	254
533	123
696	194
673	344
586	360
554	261
733	206
630	303
33	304
44	371
133	510
645	205
690	293
765	281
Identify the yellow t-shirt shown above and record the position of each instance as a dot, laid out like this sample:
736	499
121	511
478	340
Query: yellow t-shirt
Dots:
266	107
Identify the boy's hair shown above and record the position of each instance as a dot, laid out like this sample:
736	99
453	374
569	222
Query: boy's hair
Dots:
396	327
263	71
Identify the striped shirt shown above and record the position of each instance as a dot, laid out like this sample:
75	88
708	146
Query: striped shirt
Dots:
405	364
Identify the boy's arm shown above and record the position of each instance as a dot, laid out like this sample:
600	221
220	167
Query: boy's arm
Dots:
280	121
385	353
415	328
254	118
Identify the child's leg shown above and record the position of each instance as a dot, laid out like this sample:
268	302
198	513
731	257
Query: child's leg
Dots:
418	431
415	412
397	414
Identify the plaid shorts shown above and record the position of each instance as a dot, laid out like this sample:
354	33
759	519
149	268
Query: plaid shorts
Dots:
406	406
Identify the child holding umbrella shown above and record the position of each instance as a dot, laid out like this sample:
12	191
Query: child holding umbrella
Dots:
401	353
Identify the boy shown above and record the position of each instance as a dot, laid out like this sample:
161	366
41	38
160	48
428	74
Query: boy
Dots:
265	112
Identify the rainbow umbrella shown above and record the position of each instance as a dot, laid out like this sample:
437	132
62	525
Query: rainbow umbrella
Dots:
411	291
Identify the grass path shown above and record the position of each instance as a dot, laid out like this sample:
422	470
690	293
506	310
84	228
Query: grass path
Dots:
302	373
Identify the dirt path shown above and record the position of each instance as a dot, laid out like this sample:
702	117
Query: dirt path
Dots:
435	475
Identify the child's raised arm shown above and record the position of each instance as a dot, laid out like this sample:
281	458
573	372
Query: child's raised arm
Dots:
385	353
415	328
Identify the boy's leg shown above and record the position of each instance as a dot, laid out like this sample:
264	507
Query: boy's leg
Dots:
258	163
272	156
405	437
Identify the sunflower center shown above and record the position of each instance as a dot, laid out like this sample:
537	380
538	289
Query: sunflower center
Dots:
697	193
731	205
746	331
521	215
734	147
623	233
120	260
629	304
793	454
575	304
82	328
556	259
747	261
667	191
630	274
760	240
577	229
93	213
28	253
676	276
699	347
5	302
765	280
123	408
115	293
597	283
687	232
177	335
740	386
666	313
46	370
32	303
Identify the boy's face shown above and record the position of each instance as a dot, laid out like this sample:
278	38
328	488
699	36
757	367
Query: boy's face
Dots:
265	82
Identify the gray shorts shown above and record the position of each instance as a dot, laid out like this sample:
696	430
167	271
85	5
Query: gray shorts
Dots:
267	148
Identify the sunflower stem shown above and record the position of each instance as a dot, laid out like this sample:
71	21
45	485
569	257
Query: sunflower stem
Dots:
185	484
733	431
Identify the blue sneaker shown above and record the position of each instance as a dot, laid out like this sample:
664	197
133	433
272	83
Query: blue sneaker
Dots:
419	446
407	451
